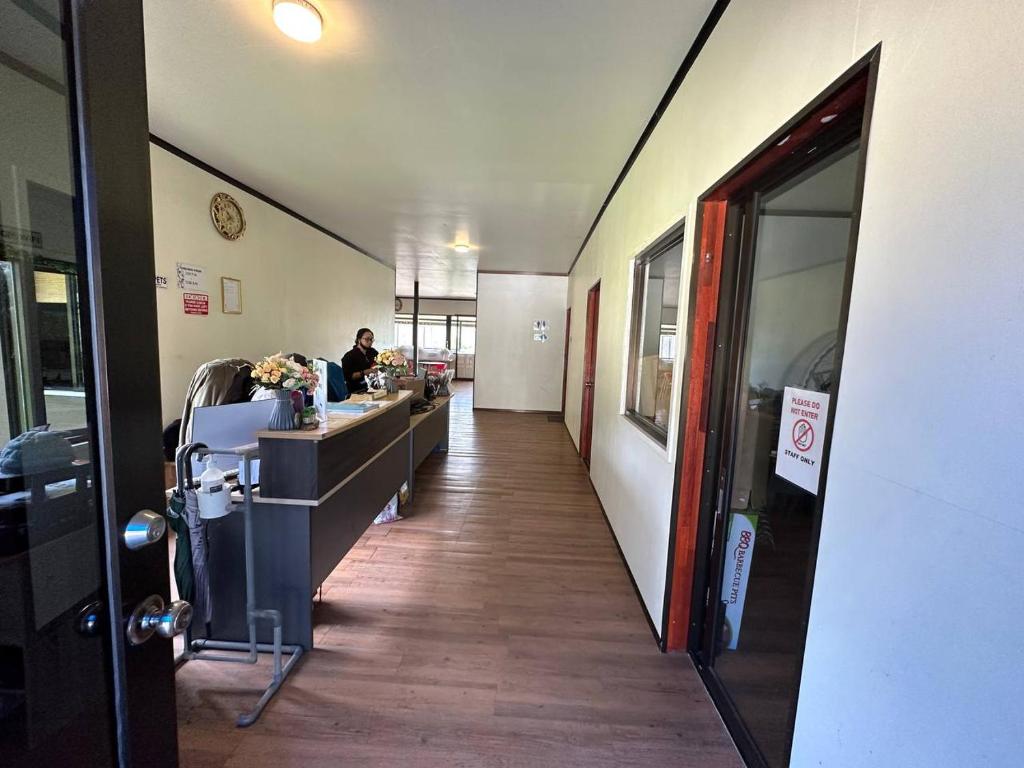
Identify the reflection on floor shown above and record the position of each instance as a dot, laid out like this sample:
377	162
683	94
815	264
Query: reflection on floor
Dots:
494	626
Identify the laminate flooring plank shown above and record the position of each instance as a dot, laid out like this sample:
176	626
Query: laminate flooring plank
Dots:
493	627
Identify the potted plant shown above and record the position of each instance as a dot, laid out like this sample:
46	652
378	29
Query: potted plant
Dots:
283	376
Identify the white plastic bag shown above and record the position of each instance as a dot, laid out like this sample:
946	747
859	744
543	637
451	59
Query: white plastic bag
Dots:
390	512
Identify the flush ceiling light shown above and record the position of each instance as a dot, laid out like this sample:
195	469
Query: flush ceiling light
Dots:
461	248
298	19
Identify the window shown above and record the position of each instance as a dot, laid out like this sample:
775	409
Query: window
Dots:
465	334
403	330
433	331
652	339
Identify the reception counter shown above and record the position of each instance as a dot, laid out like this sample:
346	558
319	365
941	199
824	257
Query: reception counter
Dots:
319	491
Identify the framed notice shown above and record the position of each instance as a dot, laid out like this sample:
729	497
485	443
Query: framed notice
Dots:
231	295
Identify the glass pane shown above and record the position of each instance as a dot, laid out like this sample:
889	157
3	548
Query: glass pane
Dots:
793	316
655	355
433	332
54	680
466	335
403	331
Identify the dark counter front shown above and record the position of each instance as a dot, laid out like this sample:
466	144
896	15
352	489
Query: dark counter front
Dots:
319	492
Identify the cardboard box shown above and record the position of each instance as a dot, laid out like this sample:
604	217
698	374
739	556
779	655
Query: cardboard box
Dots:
413	384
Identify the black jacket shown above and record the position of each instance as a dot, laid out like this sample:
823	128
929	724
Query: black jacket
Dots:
355	361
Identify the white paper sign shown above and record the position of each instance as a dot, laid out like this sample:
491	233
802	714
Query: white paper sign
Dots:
739	554
192	278
801	436
161	281
320	393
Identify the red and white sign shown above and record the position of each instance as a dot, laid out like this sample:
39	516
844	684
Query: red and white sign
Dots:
801	435
196	303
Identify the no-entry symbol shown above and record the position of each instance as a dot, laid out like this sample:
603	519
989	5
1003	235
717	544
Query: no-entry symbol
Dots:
803	435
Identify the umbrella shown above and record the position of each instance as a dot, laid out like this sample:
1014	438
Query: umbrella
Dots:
190	558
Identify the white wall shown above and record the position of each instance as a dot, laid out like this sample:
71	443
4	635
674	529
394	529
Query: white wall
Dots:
914	655
302	291
513	371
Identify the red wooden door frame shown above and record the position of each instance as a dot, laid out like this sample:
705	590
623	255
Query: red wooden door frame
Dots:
851	91
565	359
589	373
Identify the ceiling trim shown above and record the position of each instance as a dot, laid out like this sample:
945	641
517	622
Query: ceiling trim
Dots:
179	152
691	56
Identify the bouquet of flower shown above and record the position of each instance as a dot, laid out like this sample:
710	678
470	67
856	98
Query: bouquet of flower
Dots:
279	372
393	362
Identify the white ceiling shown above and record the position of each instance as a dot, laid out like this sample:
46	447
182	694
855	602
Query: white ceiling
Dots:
415	123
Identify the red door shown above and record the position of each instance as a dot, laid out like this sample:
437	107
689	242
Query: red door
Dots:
589	370
565	360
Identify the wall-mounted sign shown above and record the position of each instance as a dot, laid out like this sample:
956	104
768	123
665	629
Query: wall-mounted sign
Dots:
196	303
191	277
22	238
231	296
801	436
739	554
162	282
540	330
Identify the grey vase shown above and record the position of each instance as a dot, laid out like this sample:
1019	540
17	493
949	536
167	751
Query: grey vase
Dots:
283	415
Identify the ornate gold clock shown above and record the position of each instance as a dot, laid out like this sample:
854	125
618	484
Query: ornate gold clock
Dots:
227	216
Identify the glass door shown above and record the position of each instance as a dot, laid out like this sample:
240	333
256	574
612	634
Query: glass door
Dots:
780	317
79	409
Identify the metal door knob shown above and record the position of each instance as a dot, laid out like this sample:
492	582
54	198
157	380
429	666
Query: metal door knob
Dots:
151	616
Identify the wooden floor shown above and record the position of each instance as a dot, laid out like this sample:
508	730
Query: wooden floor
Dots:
494	627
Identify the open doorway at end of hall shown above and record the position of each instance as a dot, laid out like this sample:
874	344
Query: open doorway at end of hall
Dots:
770	300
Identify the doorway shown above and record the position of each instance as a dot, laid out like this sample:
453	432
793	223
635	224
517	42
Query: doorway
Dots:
770	295
589	373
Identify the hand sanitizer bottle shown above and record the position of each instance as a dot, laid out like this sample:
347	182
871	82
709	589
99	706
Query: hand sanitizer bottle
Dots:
214	495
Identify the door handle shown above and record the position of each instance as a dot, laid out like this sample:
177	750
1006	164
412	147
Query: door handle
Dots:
588	384
151	616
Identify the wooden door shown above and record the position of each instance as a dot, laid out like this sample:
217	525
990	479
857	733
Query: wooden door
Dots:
565	359
589	372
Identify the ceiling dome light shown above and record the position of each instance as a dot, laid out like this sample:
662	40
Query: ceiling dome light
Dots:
461	248
298	19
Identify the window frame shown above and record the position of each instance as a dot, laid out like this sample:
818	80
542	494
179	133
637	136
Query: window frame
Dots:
672	238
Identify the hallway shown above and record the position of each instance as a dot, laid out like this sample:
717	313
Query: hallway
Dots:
495	626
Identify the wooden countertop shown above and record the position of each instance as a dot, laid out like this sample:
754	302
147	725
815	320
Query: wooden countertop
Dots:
417	418
337	423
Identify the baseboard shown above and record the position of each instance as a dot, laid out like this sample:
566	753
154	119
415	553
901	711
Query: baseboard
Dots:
629	572
512	410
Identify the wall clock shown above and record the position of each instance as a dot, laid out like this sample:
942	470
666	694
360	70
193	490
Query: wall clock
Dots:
398	305
227	216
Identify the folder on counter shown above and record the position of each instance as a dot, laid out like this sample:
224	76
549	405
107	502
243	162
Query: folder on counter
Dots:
350	407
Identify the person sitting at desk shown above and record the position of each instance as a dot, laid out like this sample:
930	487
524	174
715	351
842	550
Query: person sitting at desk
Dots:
359	361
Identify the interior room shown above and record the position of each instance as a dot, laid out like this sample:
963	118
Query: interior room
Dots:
473	383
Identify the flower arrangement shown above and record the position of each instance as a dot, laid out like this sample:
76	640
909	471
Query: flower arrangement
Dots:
393	362
279	372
